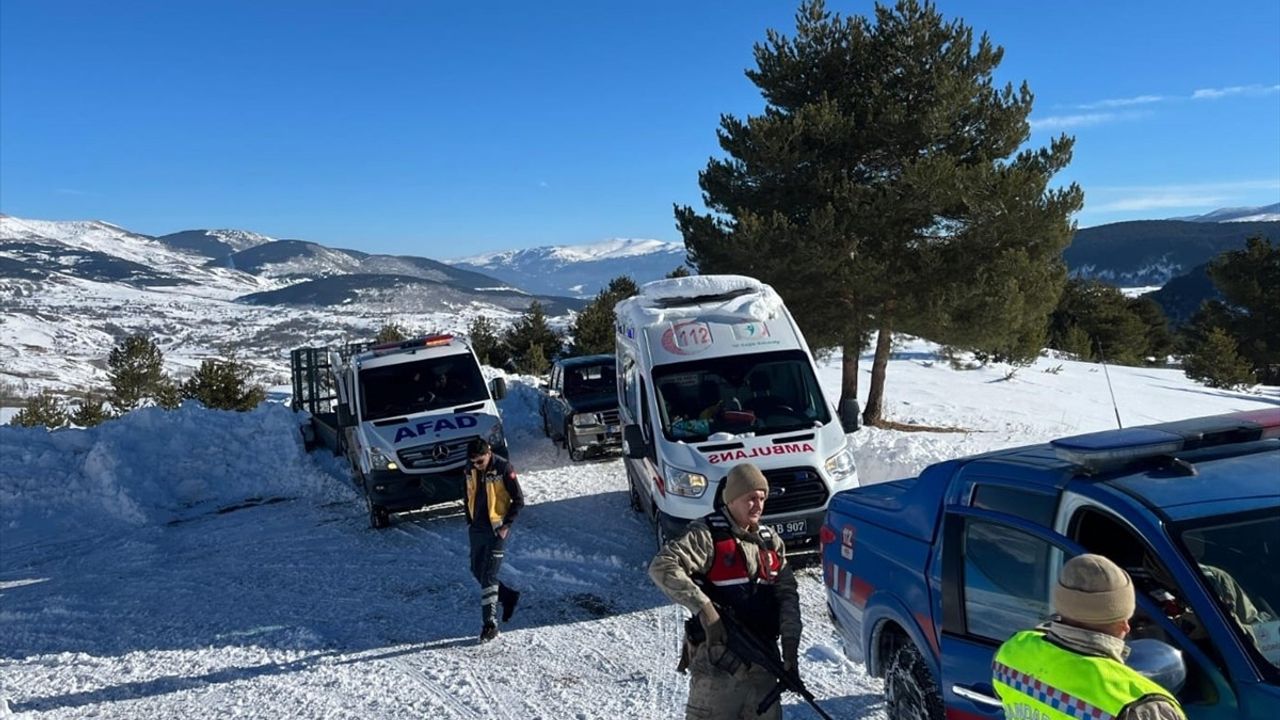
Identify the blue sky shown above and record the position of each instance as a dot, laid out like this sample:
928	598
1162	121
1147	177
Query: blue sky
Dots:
445	129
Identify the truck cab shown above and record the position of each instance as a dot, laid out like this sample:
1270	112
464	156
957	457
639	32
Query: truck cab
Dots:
579	405
926	577
404	414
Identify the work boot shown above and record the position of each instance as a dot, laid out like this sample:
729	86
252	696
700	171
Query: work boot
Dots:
489	632
508	598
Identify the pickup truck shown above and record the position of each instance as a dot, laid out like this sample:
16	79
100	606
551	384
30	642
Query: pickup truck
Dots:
926	576
580	406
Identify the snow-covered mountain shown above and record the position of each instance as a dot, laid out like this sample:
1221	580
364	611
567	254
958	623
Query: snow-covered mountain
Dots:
579	270
199	563
70	290
1263	213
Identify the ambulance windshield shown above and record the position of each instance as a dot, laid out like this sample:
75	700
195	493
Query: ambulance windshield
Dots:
419	386
762	393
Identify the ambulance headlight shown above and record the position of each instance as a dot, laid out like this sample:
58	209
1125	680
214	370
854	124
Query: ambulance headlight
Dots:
380	461
586	420
683	482
840	466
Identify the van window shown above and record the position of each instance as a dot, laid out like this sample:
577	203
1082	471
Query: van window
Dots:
761	393
630	392
413	387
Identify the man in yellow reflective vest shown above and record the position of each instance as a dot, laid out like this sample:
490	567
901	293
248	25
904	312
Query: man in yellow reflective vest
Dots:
1073	665
493	499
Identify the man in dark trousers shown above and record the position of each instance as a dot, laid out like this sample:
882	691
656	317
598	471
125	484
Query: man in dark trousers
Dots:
493	499
728	559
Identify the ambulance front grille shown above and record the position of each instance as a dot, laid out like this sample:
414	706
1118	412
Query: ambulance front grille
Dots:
441	454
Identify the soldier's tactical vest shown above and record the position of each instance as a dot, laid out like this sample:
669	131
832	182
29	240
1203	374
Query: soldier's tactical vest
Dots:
1037	679
753	599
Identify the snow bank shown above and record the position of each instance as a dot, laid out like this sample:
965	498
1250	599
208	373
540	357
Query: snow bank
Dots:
152	466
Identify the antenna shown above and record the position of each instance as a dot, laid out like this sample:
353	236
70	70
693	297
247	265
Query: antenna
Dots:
1110	389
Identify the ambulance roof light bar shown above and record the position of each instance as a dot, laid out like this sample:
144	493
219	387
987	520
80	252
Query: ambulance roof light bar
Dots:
425	341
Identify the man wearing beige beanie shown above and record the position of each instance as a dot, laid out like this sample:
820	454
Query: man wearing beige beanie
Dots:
728	559
1073	665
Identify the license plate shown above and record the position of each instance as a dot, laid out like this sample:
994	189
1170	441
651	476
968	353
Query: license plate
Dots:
791	528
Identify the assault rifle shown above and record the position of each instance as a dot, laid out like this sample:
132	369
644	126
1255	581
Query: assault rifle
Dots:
752	651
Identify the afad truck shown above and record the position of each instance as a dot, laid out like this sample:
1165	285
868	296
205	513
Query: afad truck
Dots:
402	413
712	371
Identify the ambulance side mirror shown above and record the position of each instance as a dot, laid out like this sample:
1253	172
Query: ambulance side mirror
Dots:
850	415
498	388
633	442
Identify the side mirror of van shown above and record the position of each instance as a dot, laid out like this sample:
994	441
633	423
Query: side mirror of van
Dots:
498	388
344	416
850	415
634	443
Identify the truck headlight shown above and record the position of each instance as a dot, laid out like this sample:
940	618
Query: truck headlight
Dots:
380	461
586	420
496	437
683	482
841	466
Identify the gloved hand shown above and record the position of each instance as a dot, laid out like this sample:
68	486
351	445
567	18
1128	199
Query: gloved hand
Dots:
790	656
711	625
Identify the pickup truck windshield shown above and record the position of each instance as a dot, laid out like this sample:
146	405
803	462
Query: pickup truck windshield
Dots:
590	381
419	386
1238	556
762	393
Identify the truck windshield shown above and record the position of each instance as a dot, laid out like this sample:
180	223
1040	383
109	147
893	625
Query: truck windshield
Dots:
762	393
585	382
419	386
1238	556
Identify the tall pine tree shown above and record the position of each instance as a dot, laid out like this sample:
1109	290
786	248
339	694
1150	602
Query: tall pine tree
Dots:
532	342
880	190
135	368
594	328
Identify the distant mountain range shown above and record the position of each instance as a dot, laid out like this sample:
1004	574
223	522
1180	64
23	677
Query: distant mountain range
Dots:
579	270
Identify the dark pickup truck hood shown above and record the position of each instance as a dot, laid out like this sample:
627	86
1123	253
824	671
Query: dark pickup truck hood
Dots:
593	403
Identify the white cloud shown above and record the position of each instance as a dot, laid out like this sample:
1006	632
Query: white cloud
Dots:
1249	90
1195	195
1124	102
1056	122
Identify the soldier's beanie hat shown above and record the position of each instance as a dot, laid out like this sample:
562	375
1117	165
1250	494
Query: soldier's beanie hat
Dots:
1091	589
743	479
477	447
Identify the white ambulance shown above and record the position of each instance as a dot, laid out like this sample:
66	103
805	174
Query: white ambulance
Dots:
713	371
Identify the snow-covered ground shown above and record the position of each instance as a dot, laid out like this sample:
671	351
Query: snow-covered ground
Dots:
199	563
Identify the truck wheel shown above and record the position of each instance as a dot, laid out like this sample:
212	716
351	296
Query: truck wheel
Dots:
659	535
577	454
379	518
909	688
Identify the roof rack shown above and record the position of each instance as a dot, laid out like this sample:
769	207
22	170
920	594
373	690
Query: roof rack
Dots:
1114	449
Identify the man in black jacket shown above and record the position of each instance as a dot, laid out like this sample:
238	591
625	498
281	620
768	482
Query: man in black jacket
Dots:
493	500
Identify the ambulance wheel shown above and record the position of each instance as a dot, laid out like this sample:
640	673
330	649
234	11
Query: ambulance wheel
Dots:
909	688
379	518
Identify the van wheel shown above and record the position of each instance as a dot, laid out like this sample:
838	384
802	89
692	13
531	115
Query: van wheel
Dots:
909	688
379	518
659	535
577	455
635	496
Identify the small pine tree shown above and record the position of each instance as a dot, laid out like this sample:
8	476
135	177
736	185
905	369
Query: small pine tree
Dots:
534	361
1216	362
679	272
391	332
224	385
89	412
1077	342
42	410
594	328
488	347
135	368
168	394
530	330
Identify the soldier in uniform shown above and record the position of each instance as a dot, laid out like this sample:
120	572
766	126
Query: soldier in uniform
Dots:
728	559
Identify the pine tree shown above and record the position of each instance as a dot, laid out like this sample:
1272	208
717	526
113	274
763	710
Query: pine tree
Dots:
135	368
489	348
168	394
1249	280
679	272
1217	362
1116	328
533	361
531	330
89	412
224	385
880	189
391	332
594	328
41	410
